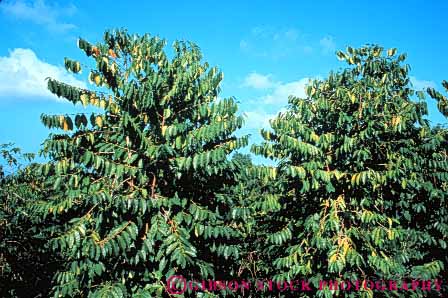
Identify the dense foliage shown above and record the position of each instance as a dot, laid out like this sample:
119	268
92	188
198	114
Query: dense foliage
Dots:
147	186
365	178
26	264
134	189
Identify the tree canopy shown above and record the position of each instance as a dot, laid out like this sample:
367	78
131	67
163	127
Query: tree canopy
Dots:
134	187
365	177
149	181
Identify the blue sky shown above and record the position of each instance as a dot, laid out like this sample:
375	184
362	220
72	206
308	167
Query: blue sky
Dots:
266	49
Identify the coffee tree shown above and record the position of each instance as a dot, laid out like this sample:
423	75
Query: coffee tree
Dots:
365	179
134	185
26	265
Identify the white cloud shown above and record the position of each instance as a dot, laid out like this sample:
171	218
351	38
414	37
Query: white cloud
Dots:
282	91
40	13
421	84
278	91
257	119
328	45
275	98
258	81
22	74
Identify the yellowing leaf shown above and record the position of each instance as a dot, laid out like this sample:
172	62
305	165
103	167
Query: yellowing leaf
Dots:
61	120
345	247
112	53
77	67
97	80
95	51
99	121
390	234
84	99
391	52
396	120
166	113
333	258
113	68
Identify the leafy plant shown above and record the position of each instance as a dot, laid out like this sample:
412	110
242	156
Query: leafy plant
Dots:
363	173
134	186
140	187
26	265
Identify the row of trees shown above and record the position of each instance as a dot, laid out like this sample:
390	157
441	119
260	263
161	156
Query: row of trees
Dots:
148	187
